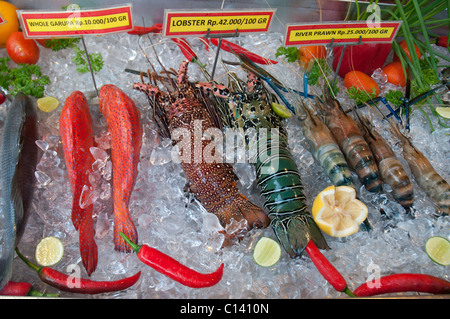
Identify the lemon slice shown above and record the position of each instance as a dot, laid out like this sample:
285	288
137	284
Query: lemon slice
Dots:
443	111
281	110
267	252
337	212
49	251
438	249
47	104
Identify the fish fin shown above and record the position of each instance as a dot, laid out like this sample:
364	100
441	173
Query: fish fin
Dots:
88	247
17	203
123	224
295	231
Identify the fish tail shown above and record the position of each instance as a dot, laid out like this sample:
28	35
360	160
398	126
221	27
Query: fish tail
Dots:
6	262
123	224
88	247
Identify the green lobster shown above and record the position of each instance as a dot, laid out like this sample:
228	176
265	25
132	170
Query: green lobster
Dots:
248	107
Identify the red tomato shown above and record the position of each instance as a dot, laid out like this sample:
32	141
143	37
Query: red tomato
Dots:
21	50
404	47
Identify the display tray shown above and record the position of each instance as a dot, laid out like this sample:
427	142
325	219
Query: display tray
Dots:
169	218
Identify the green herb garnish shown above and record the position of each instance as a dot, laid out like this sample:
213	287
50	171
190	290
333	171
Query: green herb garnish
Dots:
361	96
24	78
81	61
59	44
291	53
394	97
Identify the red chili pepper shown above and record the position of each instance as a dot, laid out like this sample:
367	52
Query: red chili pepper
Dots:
14	288
172	268
69	283
205	42
327	269
156	28
234	48
443	42
185	48
403	283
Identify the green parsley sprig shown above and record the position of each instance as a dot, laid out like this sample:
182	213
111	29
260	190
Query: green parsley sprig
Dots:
24	78
360	96
60	44
80	60
290	53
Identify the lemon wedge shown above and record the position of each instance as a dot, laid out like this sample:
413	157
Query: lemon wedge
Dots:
47	104
338	212
281	110
443	111
438	249
267	252
49	251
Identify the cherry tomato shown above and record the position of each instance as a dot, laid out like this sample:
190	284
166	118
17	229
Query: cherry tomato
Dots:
21	50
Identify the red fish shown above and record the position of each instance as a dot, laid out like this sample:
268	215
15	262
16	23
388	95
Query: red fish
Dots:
124	124
75	127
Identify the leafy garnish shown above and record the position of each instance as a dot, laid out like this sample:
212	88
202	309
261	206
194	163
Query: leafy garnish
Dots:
24	78
360	96
394	97
59	44
291	53
81	61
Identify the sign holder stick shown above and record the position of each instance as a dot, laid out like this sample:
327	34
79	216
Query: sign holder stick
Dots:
89	64
344	47
220	36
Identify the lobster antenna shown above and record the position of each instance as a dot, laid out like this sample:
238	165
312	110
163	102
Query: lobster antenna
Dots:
172	82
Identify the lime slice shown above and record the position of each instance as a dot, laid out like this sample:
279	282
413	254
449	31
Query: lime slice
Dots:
267	252
438	249
47	104
443	111
281	110
49	251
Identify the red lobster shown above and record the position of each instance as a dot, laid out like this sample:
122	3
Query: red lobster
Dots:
213	183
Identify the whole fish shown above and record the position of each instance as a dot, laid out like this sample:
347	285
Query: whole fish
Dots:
75	127
124	124
18	163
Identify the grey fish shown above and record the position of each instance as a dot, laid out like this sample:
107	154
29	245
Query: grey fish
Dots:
18	163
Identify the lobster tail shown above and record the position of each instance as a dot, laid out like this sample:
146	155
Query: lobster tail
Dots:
281	185
295	231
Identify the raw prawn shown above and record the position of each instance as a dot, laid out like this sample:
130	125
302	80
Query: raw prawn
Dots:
356	150
425	175
324	148
391	170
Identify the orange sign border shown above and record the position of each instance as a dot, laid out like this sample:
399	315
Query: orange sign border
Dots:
169	14
27	14
339	25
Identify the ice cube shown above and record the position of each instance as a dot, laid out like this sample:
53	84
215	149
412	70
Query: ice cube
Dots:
42	178
88	196
43	145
